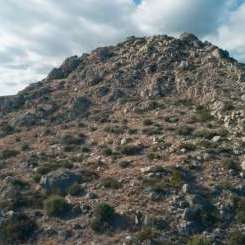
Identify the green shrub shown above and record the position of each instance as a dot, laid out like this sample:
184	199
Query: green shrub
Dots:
132	131
147	122
171	119
204	133
131	150
46	168
202	114
188	146
147	234
176	179
68	139
107	151
16	229
114	129
37	178
25	147
6	154
153	156
124	164
185	130
76	190
110	183
198	240
236	238
152	130
103	218
230	164
240	209
56	206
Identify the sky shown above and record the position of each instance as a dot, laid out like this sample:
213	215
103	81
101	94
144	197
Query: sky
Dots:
36	35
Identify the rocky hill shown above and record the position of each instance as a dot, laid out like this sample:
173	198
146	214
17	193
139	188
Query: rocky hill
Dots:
138	143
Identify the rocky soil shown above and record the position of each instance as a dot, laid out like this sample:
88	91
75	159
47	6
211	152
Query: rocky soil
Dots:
138	143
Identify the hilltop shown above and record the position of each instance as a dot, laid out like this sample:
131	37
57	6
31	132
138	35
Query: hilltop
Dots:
137	143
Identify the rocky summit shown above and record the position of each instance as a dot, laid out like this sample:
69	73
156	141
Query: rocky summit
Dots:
138	143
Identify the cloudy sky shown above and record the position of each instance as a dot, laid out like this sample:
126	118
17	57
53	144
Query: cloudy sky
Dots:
36	35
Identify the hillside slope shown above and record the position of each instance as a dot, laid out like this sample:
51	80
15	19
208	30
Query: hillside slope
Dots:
138	143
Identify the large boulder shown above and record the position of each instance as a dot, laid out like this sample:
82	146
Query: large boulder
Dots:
69	65
81	106
60	181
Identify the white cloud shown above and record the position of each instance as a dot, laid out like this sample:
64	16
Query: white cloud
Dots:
231	35
174	16
38	34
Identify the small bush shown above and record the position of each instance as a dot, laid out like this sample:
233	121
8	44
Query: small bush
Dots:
171	119
152	130
107	151
68	139
230	164
16	229
176	179
204	133
132	131
103	218
6	154
110	183
147	122
236	238
240	209
202	114
185	130
153	156
131	150
147	234
25	147
188	146
124	164
114	129
76	190
198	240
56	206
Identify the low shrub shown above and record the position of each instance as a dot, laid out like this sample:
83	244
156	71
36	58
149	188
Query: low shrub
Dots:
124	164
56	206
131	150
76	190
114	129
16	229
236	238
147	122
110	183
152	130
230	164
6	154
199	240
69	139
185	130
202	114
146	235
103	218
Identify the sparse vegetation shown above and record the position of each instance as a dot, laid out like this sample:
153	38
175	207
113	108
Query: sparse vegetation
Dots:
199	240
16	229
8	153
131	150
103	218
110	183
56	206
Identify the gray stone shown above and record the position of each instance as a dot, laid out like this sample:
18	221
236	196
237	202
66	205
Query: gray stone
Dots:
60	180
216	139
186	188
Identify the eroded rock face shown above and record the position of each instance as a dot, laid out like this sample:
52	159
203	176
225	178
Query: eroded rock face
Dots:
69	65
